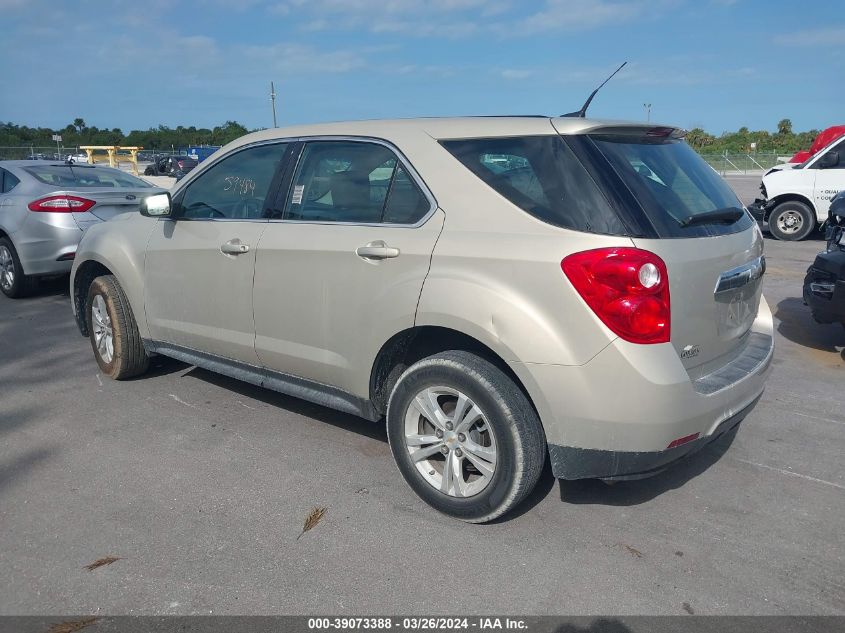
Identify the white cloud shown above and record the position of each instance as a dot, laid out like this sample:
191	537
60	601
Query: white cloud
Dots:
570	15
298	58
462	18
825	36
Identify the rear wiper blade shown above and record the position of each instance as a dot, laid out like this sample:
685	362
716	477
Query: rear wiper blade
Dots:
728	215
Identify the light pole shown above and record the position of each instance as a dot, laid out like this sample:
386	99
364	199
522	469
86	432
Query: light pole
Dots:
647	107
273	101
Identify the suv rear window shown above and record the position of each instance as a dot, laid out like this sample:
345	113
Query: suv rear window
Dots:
541	175
65	176
672	184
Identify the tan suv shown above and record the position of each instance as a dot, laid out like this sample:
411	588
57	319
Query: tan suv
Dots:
499	290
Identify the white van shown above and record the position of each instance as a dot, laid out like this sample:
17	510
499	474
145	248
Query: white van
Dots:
796	199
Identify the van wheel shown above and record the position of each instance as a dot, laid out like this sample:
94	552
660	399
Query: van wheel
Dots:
792	221
113	332
13	282
465	437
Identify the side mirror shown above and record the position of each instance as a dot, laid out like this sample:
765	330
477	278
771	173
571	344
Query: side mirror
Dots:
831	159
157	206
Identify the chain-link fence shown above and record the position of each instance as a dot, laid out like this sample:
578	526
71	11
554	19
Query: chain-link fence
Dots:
743	163
48	152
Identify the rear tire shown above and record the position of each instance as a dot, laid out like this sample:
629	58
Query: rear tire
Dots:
113	331
13	282
474	466
792	221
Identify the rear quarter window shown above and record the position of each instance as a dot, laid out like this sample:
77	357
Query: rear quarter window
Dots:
542	176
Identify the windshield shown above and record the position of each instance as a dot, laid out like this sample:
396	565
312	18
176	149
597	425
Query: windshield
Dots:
679	193
67	177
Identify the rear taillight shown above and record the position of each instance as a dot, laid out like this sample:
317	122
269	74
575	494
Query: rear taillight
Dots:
627	288
61	204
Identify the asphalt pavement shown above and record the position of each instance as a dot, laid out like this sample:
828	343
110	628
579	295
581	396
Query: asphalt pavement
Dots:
200	486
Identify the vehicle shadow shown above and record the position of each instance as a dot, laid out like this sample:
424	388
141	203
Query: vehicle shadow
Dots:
796	324
162	366
815	236
585	492
50	286
292	404
631	493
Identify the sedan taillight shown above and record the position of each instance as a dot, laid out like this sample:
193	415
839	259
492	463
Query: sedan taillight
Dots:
61	204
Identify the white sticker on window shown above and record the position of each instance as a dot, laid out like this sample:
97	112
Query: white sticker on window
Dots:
297	194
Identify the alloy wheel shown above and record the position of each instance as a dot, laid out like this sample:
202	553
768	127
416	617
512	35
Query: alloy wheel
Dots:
450	441
102	328
7	269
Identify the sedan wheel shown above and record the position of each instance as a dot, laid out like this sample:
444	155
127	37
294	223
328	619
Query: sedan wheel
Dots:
7	269
13	282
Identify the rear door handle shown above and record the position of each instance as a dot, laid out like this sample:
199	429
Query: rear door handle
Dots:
377	250
234	247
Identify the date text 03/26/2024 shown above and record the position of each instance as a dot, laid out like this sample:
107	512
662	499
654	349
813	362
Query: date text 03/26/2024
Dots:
418	624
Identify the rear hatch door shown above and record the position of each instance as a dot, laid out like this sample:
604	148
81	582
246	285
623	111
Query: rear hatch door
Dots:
711	246
715	284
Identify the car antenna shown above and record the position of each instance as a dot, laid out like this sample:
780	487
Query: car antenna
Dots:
583	111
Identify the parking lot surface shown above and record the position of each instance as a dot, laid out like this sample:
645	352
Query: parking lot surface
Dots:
200	485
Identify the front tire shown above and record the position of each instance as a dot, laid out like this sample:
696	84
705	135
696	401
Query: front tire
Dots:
13	282
113	331
792	221
464	436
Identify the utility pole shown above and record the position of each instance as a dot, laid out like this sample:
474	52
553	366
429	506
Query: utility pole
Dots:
647	107
273	101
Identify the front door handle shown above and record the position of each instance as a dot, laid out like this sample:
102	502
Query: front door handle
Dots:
377	250
234	247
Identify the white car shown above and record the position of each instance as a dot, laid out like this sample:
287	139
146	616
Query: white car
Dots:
80	157
795	200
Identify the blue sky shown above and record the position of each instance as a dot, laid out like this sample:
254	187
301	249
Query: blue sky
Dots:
719	64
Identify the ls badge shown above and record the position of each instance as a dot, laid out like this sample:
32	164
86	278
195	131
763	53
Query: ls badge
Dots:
690	351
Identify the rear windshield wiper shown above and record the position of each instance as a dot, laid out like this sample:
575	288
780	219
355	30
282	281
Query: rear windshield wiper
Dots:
728	215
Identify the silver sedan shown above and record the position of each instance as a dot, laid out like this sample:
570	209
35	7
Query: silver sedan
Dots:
46	206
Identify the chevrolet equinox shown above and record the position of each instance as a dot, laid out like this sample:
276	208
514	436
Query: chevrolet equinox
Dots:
498	290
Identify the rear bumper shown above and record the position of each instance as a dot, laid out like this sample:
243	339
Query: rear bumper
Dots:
45	243
617	415
569	462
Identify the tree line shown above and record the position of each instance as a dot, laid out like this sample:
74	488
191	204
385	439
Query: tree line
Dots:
158	138
784	140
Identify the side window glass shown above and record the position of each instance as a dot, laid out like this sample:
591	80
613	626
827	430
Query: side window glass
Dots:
840	150
341	181
406	203
515	172
236	187
8	181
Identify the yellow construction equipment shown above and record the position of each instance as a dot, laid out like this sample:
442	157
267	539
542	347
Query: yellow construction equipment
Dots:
112	156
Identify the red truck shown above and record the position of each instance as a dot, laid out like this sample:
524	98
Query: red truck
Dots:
825	138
